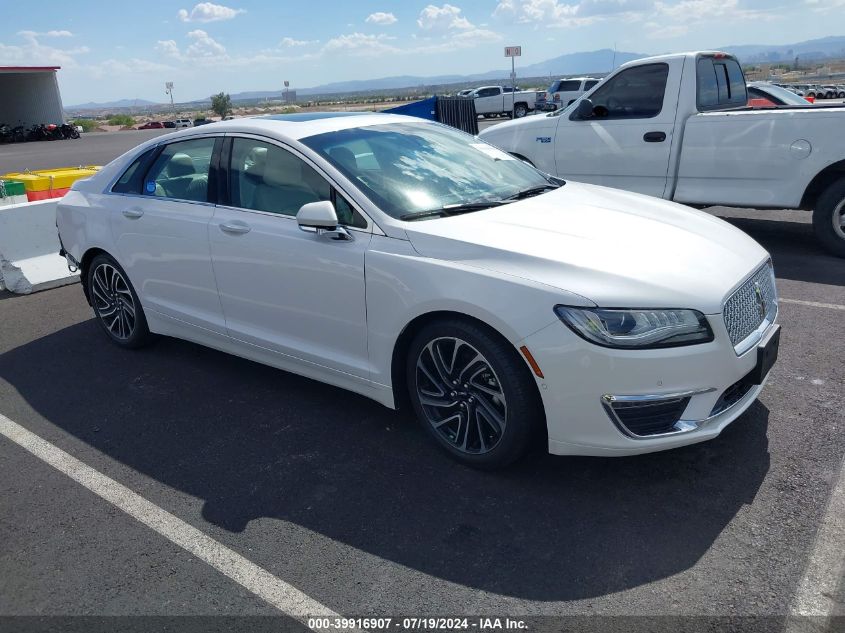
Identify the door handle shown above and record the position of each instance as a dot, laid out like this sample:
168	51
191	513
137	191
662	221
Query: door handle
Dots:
654	137
133	214
236	227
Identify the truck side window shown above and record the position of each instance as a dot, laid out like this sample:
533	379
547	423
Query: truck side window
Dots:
568	86
720	83
636	93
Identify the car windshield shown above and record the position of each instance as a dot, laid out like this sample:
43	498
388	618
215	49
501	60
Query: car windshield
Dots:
408	168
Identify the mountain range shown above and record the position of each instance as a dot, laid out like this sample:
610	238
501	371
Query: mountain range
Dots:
591	62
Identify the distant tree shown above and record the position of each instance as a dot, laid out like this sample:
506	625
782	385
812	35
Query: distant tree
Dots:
221	104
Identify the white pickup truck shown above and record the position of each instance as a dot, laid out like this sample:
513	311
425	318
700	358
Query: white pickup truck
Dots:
491	100
678	127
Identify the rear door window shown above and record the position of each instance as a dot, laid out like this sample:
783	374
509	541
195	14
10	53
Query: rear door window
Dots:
132	179
181	171
720	84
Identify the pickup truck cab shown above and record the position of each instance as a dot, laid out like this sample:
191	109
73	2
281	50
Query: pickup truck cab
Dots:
562	92
494	100
678	127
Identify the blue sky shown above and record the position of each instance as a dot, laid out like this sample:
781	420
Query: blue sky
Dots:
128	50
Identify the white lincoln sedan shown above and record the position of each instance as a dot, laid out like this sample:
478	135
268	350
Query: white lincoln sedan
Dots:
418	266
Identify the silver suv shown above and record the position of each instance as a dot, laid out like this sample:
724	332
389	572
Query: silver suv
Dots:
184	123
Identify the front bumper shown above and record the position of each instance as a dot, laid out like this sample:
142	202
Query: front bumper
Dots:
582	379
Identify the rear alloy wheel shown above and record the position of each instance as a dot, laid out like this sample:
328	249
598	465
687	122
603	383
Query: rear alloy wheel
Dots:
115	303
472	393
520	110
829	218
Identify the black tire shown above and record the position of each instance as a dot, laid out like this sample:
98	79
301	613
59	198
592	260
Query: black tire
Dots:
500	369
111	298
827	215
520	110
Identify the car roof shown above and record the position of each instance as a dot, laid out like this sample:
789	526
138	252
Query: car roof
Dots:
293	127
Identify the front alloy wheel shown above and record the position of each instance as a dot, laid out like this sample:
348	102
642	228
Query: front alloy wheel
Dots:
473	392
460	395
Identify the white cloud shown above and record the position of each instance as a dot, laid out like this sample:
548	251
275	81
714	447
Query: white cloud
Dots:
548	12
456	40
168	47
381	18
32	52
202	46
825	5
45	33
289	42
445	18
360	45
208	12
562	13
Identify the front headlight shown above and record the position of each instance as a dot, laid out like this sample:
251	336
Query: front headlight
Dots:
637	329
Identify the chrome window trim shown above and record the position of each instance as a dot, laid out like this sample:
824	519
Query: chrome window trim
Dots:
270	214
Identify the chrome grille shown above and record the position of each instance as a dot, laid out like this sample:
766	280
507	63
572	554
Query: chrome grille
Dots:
751	304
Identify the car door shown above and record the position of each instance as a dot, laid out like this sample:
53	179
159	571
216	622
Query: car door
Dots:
626	144
489	100
160	227
284	289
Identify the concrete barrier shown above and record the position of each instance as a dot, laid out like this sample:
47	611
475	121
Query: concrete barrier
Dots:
29	248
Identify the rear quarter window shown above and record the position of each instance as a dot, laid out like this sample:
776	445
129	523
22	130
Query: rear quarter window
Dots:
720	84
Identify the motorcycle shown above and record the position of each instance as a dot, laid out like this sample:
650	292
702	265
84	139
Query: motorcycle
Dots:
38	132
69	131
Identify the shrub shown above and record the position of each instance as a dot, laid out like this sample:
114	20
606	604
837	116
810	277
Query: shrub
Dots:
121	119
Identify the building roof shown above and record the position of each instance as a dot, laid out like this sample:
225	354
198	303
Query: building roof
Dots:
28	69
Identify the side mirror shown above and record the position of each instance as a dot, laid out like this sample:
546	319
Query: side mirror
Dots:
321	218
317	215
584	109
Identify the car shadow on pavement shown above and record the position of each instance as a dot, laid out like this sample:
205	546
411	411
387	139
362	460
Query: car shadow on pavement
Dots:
796	253
251	442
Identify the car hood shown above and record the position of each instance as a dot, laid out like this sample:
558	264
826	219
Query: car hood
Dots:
615	248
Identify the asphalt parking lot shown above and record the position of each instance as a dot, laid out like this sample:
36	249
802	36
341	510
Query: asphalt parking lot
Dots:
331	495
93	148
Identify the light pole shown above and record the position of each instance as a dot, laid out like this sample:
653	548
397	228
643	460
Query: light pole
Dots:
168	89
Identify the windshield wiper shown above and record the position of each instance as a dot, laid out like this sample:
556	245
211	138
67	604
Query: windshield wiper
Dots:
532	191
452	209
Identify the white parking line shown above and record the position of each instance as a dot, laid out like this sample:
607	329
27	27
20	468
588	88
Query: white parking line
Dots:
812	304
816	593
259	581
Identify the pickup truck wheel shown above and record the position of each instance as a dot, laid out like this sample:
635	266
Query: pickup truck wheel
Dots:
520	110
829	218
